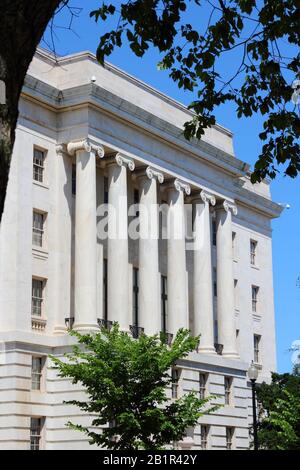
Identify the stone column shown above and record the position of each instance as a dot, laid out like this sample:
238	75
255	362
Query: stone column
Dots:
148	252
85	234
202	289
117	257
176	271
225	282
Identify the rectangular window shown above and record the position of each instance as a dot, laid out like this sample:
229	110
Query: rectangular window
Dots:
36	372
164	303
257	348
175	382
35	433
105	315
204	436
135	297
229	438
236	294
37	297
234	245
38	165
202	385
253	250
214	232
136	201
255	292
73	179
105	193
227	386
215	285
37	228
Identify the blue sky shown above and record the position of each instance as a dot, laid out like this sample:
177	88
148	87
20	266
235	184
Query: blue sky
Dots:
286	253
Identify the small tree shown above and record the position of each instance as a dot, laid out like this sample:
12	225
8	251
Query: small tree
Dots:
279	426
126	382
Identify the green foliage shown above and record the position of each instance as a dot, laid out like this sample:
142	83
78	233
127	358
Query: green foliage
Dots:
263	78
279	424
125	381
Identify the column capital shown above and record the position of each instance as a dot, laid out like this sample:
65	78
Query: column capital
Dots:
153	173
122	160
228	206
205	196
87	145
177	184
60	149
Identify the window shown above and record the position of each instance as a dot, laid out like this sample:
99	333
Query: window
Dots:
202	385
204	436
234	245
214	232
229	438
37	228
227	385
37	297
105	191
175	382
38	165
236	296
255	291
105	315
164	303
135	297
36	372
253	250
136	201
35	433
237	337
256	349
215	286
73	179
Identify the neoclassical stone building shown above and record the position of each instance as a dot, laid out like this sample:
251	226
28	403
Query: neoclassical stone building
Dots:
89	136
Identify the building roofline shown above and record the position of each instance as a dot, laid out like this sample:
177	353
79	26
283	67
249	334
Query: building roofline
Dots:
77	56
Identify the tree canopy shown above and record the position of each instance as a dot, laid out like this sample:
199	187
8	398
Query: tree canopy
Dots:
279	417
126	382
254	31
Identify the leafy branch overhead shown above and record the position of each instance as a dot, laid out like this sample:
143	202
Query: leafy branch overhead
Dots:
126	383
263	40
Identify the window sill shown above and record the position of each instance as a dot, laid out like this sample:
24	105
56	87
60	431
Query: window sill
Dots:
254	266
39	252
41	185
38	323
256	316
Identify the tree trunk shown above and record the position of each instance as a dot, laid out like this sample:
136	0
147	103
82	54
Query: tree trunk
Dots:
21	29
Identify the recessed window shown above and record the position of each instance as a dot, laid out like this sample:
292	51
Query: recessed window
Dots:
204	430
73	179
202	385
175	374
234	245
37	297
36	426
236	294
105	311
38	220
229	438
36	372
164	303
215	285
214	232
135	297
253	252
38	165
257	339
255	295
228	389
105	190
